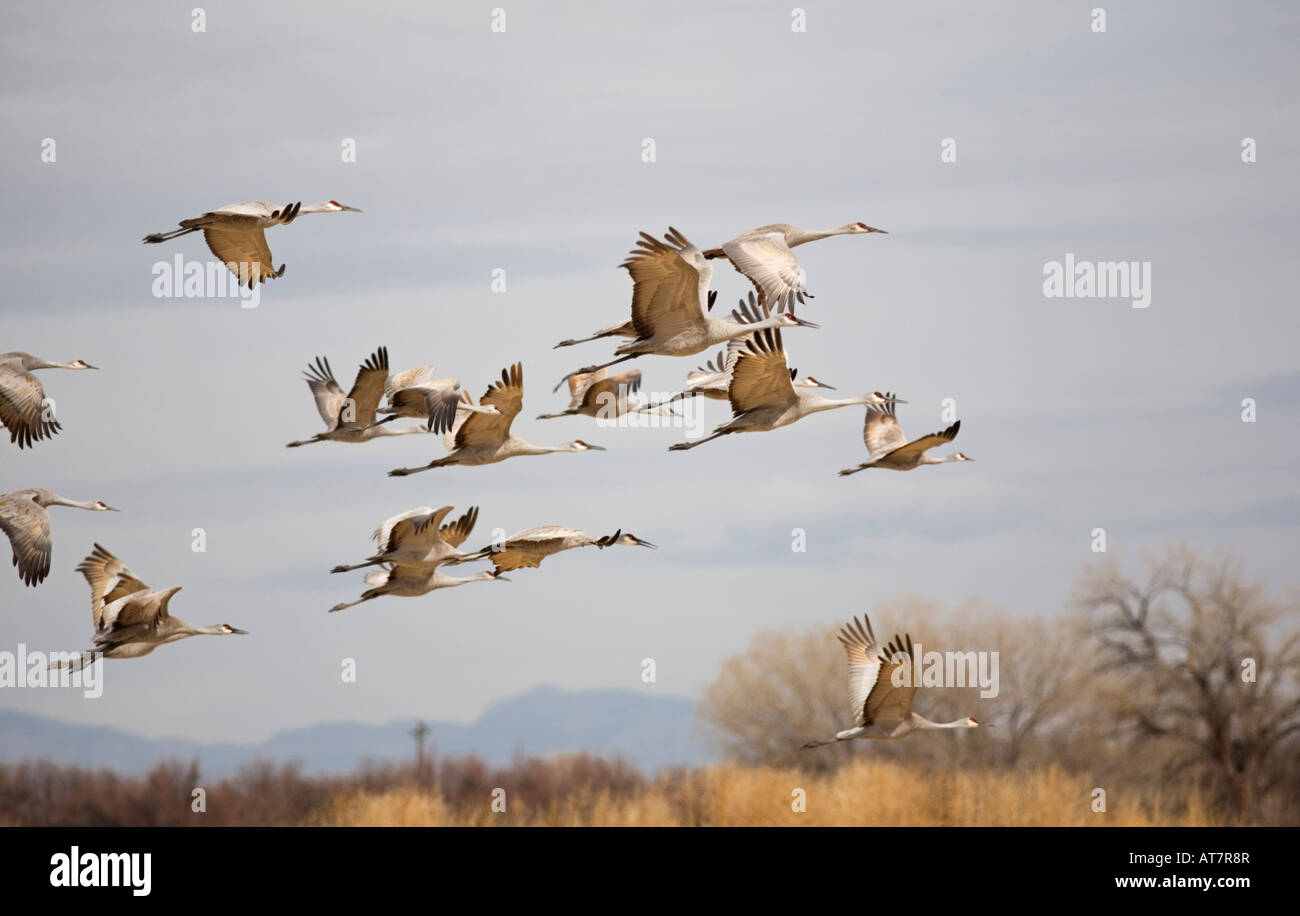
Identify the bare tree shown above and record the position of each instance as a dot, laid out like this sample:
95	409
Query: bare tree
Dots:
1207	671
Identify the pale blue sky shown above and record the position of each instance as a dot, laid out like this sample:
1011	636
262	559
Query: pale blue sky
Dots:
522	151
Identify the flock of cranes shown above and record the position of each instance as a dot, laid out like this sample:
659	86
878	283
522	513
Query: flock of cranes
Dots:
671	315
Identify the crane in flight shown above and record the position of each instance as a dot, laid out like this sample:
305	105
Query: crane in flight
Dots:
130	618
350	417
603	396
881	709
418	537
889	448
762	392
416	393
26	522
713	379
670	293
528	548
622	329
236	234
22	398
484	438
763	255
408	580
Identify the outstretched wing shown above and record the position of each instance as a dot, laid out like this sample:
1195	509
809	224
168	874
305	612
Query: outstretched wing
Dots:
411	526
613	388
507	396
325	389
920	446
767	261
881	431
22	407
243	251
455	533
760	376
872	692
109	580
27	525
670	285
367	390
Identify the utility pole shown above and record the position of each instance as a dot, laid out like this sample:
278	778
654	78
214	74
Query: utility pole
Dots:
419	733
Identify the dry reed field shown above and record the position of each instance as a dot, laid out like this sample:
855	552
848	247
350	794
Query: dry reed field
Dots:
864	793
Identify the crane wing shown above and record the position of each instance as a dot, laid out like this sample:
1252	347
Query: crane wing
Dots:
367	390
670	285
613	388
507	396
455	533
887	704
918	447
243	251
27	526
760	376
109	580
767	261
414	525
409	378
22	407
135	614
325	389
871	666
881	431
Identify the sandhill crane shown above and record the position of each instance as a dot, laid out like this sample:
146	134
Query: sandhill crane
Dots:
131	619
485	438
350	417
669	304
762	394
530	547
416	393
622	329
412	580
24	519
880	709
22	399
763	255
713	379
418	537
890	449
235	234
603	396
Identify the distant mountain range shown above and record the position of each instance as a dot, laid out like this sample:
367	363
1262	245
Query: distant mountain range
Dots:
650	732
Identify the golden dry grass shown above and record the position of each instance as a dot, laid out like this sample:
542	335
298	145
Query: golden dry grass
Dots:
865	793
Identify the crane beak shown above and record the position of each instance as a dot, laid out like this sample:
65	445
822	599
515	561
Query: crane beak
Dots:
827	387
111	509
234	630
86	365
802	323
640	543
350	209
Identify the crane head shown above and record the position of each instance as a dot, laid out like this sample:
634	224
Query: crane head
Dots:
82	364
961	456
631	540
810	382
972	722
791	320
228	630
578	445
341	207
863	227
101	506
